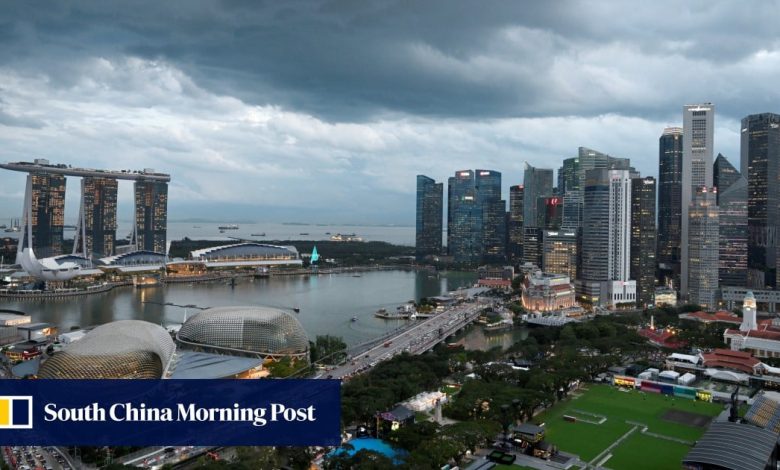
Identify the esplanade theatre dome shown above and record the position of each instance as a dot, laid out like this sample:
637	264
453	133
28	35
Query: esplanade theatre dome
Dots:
263	331
125	349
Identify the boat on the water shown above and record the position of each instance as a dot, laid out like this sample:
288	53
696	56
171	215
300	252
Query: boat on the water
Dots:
348	237
354	319
258	234
228	227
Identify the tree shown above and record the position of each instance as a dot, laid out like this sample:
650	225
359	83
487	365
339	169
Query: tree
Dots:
362	459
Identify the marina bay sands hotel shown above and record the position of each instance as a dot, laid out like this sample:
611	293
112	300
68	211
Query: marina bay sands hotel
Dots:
44	209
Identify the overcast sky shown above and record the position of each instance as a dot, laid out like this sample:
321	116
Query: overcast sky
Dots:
326	111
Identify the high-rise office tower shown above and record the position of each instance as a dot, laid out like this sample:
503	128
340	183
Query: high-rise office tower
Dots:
538	182
493	216
515	228
670	150
48	212
572	176
569	175
428	233
703	249
532	246
572	210
733	233
698	131
151	215
96	235
606	239
643	238
559	252
760	164
723	174
549	212
464	236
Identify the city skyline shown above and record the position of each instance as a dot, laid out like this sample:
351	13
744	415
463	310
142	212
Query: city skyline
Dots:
294	94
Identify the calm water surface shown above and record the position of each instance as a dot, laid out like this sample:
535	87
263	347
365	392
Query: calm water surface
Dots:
327	302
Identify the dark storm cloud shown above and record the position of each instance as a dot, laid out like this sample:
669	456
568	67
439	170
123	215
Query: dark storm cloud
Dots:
331	108
355	59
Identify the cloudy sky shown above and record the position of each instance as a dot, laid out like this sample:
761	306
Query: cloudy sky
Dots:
325	111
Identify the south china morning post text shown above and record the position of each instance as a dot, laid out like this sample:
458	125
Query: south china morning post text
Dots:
130	412
177	412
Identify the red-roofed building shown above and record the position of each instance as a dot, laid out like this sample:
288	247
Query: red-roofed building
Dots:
717	317
734	360
663	338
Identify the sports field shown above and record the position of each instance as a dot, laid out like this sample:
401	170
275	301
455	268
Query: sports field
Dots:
608	408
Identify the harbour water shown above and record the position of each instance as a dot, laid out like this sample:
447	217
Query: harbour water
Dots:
397	235
327	303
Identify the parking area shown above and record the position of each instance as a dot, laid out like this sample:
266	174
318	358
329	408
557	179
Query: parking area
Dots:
35	458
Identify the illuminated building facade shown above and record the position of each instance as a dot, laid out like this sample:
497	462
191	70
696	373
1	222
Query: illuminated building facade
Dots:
560	252
703	249
515	248
643	236
548	292
670	150
48	212
97	224
760	165
733	234
151	215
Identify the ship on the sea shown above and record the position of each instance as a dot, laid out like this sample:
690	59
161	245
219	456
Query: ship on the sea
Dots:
228	227
258	234
345	237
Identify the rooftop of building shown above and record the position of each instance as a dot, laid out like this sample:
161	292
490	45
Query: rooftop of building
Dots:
720	316
199	365
728	359
43	166
662	337
733	445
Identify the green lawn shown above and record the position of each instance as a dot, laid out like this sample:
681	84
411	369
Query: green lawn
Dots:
588	440
641	452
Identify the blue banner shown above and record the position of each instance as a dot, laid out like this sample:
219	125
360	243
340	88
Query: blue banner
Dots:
170	412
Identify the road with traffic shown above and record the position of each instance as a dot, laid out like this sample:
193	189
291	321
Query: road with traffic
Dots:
418	338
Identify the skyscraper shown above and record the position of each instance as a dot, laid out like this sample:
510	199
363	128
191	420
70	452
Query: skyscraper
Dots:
733	233
723	174
532	246
606	239
569	175
760	164
538	182
151	215
698	131
559	252
703	249
96	235
464	236
572	210
643	237
515	228
670	150
48	212
428	233
493	215
549	212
